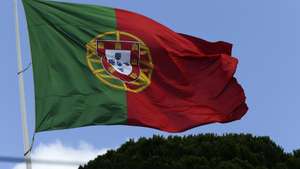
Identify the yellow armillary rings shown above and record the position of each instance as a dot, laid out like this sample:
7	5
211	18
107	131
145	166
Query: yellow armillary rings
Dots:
120	60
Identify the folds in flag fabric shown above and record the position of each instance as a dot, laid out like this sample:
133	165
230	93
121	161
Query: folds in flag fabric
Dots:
95	65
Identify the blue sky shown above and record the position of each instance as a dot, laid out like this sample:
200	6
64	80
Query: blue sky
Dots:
265	35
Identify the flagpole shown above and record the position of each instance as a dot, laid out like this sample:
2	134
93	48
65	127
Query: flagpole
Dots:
22	90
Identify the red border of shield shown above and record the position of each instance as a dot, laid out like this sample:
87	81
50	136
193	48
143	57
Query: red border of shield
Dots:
134	48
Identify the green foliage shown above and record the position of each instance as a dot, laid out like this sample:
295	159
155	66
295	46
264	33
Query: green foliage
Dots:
209	151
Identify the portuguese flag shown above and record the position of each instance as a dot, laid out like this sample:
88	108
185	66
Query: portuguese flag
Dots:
95	65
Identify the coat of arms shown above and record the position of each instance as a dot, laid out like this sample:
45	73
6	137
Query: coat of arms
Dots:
120	60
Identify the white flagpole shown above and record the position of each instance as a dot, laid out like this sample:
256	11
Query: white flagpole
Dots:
21	90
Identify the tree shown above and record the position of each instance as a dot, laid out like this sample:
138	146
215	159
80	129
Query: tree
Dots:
209	151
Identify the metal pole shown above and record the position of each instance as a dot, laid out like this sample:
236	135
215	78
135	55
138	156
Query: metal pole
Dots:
21	90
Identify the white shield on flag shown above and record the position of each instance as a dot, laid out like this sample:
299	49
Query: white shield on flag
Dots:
119	60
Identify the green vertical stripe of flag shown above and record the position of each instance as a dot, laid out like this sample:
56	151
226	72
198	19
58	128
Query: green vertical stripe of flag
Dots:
67	94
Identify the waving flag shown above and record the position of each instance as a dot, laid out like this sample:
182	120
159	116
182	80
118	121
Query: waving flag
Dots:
96	65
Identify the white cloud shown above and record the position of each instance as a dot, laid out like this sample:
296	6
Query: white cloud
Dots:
48	154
